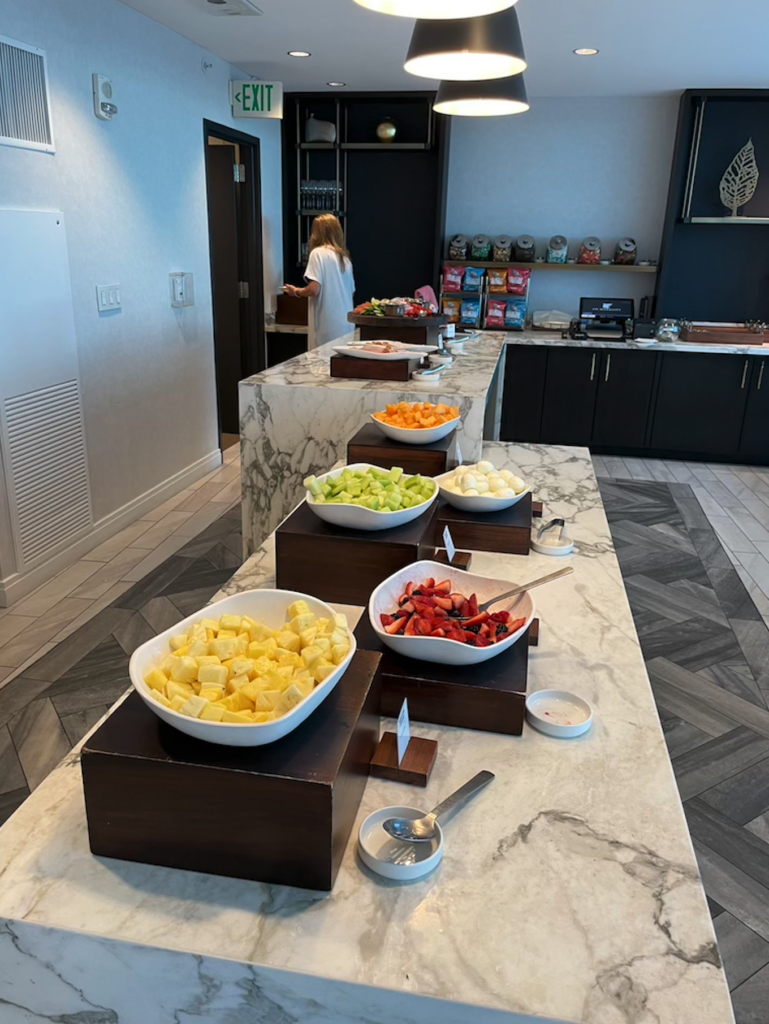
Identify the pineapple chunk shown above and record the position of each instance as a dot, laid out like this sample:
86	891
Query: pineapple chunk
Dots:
178	702
161	698
233	622
340	636
236	717
339	653
207	659
241	647
213	674
341	621
321	668
193	707
185	670
267	699
302	622
262	666
181	652
226	634
321	624
195	686
311	654
290	698
211	624
297	608
156	680
323	643
253	689
248	622
237	701
289	641
260	632
180	640
308	635
198	649
243	667
167	664
236	682
212	713
294	660
179	690
212	693
260	717
223	649
197	632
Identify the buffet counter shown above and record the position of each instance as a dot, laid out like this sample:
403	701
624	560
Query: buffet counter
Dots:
551	339
569	889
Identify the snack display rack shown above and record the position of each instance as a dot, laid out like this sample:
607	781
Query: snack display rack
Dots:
485	296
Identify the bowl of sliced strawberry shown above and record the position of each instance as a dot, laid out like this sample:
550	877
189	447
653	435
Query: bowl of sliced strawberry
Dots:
433	612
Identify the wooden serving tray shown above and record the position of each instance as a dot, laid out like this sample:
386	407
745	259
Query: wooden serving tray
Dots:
508	531
422	330
372	369
280	814
722	336
490	697
370	445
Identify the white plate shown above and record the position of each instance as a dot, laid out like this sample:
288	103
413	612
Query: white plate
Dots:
476	503
405	351
353	517
558	713
269	607
394	858
384	601
423	435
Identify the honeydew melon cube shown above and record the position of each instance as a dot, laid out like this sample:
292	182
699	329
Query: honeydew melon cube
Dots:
223	649
233	622
156	680
161	698
289	640
243	667
297	608
216	675
213	713
236	718
193	707
180	640
267	700
185	670
177	702
321	669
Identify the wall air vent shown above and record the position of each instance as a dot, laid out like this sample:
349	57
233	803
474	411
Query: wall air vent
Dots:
25	112
232	7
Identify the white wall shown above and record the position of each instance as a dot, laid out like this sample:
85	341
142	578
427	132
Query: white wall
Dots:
133	194
573	167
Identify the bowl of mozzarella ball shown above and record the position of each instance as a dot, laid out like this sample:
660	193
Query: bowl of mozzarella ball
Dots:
481	488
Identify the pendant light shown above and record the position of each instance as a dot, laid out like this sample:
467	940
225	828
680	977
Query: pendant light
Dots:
438	9
482	99
467	49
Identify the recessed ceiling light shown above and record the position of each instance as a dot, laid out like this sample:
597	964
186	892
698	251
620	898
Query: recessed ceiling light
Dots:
586	51
337	85
299	53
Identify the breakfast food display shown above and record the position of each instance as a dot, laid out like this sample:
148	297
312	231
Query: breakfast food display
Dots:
376	489
483	479
432	609
412	308
236	670
417	415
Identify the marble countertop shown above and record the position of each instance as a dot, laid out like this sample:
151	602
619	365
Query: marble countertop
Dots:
569	889
470	375
553	338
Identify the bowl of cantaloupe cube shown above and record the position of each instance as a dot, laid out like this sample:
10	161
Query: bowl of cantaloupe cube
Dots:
247	670
417	422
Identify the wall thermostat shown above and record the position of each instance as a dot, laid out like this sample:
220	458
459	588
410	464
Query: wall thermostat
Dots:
103	98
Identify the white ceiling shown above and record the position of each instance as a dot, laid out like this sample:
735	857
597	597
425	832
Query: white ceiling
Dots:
647	46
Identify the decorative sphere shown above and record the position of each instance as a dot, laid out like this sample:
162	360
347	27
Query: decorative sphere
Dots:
386	131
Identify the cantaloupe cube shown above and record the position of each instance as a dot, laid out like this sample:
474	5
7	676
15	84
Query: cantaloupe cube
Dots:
267	699
178	702
223	649
161	698
215	674
156	680
297	608
185	670
289	641
320	669
233	622
236	718
212	713
180	640
243	667
193	707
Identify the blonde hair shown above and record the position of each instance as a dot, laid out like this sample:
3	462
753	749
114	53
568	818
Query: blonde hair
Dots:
326	230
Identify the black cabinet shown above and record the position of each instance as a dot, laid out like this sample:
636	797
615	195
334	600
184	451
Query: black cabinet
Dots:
569	395
525	368
755	428
625	382
700	402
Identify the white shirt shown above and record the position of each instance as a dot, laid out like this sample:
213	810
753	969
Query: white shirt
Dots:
328	313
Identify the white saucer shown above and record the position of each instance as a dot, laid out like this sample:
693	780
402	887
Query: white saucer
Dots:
383	854
558	713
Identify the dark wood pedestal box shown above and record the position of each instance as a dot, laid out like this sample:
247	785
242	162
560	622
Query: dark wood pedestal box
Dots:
490	697
372	369
370	445
344	566
280	813
414	331
508	531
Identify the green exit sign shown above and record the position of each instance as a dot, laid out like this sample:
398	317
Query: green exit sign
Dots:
257	99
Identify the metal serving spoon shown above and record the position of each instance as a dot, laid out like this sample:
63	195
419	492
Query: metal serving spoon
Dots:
567	571
417	830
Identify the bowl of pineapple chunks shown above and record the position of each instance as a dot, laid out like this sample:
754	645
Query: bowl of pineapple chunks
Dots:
247	670
365	497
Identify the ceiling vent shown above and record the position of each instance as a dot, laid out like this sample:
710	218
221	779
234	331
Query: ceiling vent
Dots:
25	112
232	7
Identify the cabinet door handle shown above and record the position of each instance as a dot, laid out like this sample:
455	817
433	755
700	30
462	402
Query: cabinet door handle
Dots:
592	367
608	367
745	373
761	375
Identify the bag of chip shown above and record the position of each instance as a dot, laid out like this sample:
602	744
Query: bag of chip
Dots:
495	314
515	314
452	308
452	279
498	280
474	279
471	311
518	280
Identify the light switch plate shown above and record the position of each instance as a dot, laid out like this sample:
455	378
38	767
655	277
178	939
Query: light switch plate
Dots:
108	297
182	290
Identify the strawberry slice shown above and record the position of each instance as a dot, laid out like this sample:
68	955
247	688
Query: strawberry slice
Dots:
387	620
409	589
473	600
477	620
444	602
444	587
409	607
513	627
395	626
457	600
465	611
438	632
429	583
482	641
403	599
400	614
411	626
501	616
484	630
440	613
424	626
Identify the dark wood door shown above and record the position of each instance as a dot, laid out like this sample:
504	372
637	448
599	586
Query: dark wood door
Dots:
570	394
625	382
755	429
525	369
700	402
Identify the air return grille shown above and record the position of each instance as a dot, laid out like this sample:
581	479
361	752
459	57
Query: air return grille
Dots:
51	501
25	116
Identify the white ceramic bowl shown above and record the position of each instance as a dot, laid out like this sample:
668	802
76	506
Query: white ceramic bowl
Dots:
269	607
384	600
558	713
426	379
394	858
476	503
353	517
419	435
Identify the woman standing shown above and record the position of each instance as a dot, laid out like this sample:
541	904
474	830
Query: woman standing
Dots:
330	283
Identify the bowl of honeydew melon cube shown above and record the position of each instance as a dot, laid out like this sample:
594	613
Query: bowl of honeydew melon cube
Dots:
247	670
364	497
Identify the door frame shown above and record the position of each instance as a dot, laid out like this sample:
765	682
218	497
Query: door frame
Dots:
252	335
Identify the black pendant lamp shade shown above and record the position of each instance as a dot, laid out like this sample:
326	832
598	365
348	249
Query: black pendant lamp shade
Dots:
436	8
482	99
467	49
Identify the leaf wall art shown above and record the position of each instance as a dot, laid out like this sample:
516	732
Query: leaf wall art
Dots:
739	182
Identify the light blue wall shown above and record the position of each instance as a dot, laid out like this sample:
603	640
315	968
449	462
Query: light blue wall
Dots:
133	193
574	167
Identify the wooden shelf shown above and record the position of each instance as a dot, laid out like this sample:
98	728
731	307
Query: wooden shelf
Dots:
726	220
317	145
385	145
319	213
552	266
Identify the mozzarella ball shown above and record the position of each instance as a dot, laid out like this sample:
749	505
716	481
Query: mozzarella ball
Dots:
468	482
496	483
481	485
472	493
485	467
506	492
506	475
517	484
